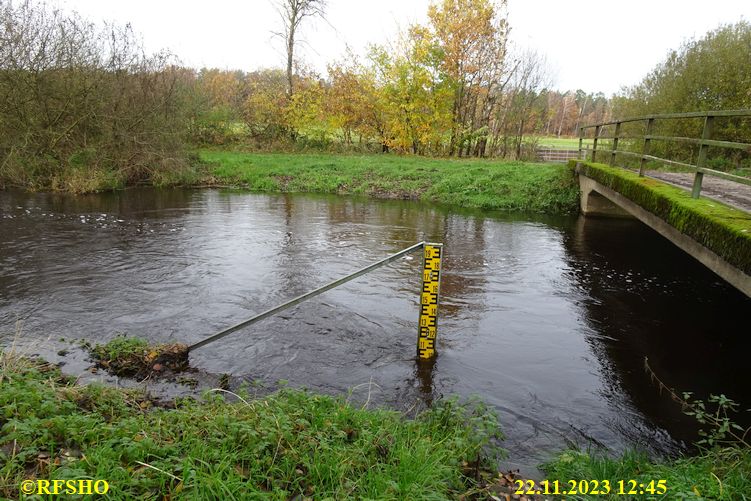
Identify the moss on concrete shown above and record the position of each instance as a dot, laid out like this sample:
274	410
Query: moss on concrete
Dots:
723	229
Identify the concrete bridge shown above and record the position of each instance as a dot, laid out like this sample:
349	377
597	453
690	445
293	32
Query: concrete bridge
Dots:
717	235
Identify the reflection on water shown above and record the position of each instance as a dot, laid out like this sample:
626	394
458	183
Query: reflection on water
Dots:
650	300
424	373
547	319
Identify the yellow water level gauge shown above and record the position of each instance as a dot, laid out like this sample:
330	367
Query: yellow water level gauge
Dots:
431	286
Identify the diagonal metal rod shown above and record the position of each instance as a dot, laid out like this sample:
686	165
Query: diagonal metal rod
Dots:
307	295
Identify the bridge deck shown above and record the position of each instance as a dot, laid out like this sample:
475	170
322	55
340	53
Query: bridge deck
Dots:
734	194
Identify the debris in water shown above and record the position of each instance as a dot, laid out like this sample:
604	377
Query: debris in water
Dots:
134	357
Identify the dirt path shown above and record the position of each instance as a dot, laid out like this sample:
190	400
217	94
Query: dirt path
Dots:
736	194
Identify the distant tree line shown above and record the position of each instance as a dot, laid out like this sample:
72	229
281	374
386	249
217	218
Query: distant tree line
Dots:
705	74
83	107
454	87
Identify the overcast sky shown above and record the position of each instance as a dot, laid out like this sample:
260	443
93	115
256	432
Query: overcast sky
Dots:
595	45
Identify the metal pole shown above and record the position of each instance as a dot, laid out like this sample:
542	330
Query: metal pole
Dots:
307	295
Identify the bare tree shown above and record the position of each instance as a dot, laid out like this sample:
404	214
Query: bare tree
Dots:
530	84
292	13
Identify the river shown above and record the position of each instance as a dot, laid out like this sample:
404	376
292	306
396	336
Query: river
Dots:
547	319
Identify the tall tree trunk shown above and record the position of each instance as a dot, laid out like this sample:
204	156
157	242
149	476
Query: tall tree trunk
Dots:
563	115
520	135
290	57
581	114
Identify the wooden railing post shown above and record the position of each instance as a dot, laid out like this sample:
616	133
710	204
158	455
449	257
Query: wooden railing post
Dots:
581	143
647	145
701	160
615	143
594	143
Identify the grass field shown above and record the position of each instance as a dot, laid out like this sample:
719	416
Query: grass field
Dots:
564	143
486	184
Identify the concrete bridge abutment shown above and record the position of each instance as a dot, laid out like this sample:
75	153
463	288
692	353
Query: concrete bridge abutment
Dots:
594	204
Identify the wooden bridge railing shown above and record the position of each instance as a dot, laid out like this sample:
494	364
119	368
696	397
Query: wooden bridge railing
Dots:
699	168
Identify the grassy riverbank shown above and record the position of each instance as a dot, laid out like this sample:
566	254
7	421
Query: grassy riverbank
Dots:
719	474
294	444
289	444
486	184
472	183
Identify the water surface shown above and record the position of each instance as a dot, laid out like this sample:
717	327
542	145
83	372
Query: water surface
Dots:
547	319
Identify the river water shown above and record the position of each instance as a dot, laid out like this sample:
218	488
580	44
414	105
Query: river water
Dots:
547	319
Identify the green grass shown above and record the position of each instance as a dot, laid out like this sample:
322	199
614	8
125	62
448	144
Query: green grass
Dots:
484	184
742	171
723	229
121	347
291	444
721	474
564	143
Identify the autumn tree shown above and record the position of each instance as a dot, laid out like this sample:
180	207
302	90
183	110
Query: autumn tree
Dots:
472	35
264	104
218	95
416	98
355	104
305	111
561	112
222	89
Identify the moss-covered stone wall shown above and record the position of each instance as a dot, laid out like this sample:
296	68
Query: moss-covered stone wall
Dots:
724	230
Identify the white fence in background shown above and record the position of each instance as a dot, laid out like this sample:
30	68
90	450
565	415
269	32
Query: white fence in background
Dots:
555	155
